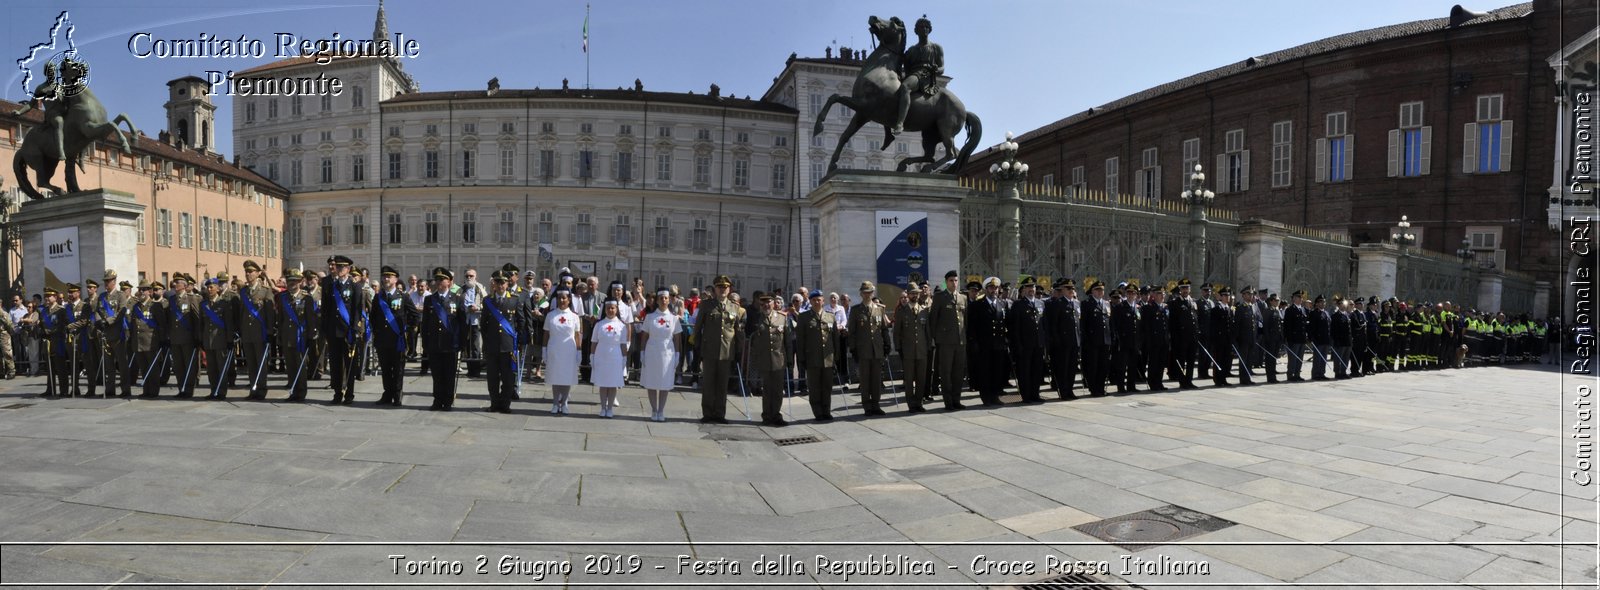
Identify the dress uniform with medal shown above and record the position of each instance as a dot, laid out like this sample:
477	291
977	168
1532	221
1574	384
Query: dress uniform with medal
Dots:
182	333
295	321
388	321
444	334
110	315
1155	333
769	354
986	324
257	320
1061	318
219	321
947	326
911	339
504	327
865	329
342	325
149	357
719	338
1028	340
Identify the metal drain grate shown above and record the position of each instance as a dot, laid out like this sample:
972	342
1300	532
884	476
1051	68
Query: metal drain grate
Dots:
796	440
14	406
1153	527
1073	581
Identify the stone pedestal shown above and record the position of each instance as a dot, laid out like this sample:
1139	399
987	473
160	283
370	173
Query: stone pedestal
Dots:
1491	285
1260	261
1376	268
1541	300
847	204
106	224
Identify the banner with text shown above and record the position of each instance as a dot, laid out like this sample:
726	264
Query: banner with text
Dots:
61	258
902	248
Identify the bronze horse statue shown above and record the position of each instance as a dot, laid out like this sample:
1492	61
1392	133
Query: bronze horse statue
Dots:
84	123
873	98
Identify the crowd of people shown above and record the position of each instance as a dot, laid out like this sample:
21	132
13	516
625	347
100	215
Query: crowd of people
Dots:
931	345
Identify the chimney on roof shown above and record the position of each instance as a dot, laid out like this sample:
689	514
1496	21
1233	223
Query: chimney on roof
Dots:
1460	16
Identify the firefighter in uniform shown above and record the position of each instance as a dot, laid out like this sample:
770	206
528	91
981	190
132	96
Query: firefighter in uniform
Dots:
388	322
814	350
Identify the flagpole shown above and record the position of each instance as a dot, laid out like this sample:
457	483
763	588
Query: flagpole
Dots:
586	86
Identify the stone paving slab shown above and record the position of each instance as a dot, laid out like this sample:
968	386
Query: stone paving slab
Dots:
1352	463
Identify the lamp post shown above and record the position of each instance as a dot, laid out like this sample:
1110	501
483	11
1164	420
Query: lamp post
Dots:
1009	175
1466	253
1198	198
1403	238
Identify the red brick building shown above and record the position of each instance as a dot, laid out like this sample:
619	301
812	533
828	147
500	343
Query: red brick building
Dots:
1451	123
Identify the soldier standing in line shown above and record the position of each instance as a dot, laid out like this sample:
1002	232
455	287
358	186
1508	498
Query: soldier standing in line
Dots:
389	329
1245	324
769	354
1203	307
292	307
1372	336
719	340
1272	337
109	311
986	325
1096	339
1184	325
218	329
145	343
867	322
1221	344
1061	324
1321	328
1296	333
1154	333
183	331
444	335
1124	341
1027	340
79	326
1341	330
257	316
947	326
342	327
503	325
911	338
53	333
815	353
1358	340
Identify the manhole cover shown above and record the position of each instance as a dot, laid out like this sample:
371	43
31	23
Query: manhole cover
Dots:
1072	581
796	440
14	406
1153	527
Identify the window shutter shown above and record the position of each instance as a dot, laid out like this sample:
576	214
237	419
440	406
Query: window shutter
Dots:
1155	191
1138	183
1349	156
1244	170
1469	148
1427	149
1505	146
1322	159
1221	173
1394	153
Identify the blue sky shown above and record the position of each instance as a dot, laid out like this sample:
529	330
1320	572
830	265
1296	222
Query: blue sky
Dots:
1019	64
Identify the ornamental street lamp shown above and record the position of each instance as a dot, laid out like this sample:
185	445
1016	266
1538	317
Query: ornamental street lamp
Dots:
1009	175
1198	199
1402	235
1466	253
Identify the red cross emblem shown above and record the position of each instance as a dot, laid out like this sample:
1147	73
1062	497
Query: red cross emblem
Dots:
611	328
661	321
561	320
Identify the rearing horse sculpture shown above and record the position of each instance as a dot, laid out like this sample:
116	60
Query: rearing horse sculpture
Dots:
873	98
83	124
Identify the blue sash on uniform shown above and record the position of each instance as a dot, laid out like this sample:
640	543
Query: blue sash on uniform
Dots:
294	318
250	306
212	314
105	306
148	320
505	325
400	333
83	342
183	318
441	309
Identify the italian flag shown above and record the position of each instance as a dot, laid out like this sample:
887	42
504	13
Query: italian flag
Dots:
586	29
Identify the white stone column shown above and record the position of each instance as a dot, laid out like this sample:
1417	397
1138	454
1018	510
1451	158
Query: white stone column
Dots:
1541	299
1377	265
108	234
1490	287
1260	260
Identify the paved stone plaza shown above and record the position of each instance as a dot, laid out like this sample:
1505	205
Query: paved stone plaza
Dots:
1463	456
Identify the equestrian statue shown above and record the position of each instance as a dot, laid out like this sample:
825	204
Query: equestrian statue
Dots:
899	89
74	120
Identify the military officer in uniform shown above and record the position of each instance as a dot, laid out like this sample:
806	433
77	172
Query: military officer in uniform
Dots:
219	321
503	327
53	333
815	353
1184	321
986	323
911	338
342	326
947	326
1296	333
719	340
388	321
294	332
1061	325
110	313
769	354
1154	334
1028	340
1321	331
1272	337
80	328
1341	331
1124	341
1096	349
182	331
1245	323
144	327
865	329
257	317
444	335
1221	344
